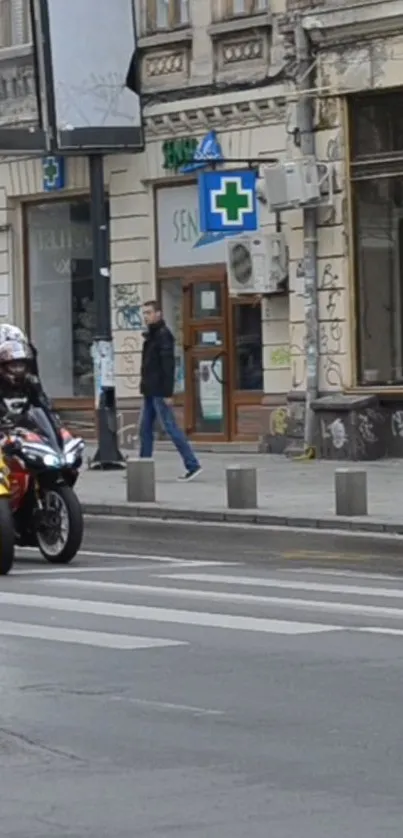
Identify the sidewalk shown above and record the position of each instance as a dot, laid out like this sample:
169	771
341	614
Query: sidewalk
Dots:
290	493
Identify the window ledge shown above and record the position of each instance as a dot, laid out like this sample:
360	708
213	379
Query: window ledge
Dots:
17	51
165	38
239	24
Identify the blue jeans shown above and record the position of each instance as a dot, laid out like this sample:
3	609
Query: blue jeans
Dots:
153	407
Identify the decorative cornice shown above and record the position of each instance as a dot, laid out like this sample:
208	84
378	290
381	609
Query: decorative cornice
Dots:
204	117
165	39
374	19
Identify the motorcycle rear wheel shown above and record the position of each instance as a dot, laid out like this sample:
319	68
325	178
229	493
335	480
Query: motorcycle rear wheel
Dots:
7	537
71	507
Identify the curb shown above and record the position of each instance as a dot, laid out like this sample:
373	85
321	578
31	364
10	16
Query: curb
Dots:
254	518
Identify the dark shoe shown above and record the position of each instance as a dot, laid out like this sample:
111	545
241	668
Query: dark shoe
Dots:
190	475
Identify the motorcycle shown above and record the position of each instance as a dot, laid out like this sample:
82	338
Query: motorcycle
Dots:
7	535
42	467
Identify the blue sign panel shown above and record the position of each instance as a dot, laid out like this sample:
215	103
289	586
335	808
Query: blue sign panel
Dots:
53	173
209	149
227	202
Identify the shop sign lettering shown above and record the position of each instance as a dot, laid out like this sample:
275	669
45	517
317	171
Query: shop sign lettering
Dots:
186	226
178	153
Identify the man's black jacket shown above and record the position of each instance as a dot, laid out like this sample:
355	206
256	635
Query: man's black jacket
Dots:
158	362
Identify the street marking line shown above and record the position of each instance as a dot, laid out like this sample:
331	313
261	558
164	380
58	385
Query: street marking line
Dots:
246	599
119	610
175	560
73	570
67	571
165	705
102	640
109	555
265	582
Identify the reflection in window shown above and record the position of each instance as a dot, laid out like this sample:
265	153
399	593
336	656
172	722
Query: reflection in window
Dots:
379	252
206	300
166	14
247	329
62	295
15	23
376	124
245	7
172	308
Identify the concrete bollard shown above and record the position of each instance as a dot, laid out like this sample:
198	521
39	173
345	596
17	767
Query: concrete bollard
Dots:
241	487
351	492
140	481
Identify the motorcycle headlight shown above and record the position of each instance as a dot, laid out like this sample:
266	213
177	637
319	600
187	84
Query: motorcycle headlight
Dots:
51	461
74	451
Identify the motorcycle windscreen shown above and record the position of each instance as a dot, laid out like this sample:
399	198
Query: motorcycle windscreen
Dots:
38	419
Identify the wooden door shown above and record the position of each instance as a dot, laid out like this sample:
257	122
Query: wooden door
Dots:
207	360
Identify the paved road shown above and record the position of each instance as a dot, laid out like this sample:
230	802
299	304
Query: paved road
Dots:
147	698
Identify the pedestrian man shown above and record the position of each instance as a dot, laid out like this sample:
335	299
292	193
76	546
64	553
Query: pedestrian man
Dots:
157	387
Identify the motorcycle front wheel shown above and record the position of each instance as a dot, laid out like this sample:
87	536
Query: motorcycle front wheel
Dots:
7	537
60	533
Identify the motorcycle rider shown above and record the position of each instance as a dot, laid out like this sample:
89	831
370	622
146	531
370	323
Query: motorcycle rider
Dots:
18	379
9	332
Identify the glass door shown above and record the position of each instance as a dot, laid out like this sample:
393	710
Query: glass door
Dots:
206	349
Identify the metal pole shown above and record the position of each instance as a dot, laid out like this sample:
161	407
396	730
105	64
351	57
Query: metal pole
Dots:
306	127
107	455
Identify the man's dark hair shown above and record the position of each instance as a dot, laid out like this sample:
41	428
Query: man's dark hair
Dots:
154	304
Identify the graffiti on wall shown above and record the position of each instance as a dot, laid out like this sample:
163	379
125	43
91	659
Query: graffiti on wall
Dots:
298	359
129	364
397	423
331	334
278	422
280	357
127	308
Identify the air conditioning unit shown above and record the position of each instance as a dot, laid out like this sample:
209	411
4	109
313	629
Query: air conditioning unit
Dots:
257	264
296	183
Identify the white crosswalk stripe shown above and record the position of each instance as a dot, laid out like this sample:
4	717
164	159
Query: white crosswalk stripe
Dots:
342	607
253	599
161	615
294	584
86	638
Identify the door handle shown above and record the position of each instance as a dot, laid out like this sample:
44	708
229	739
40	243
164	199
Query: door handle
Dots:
218	357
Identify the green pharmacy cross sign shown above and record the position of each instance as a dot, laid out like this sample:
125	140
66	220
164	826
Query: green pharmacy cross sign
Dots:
53	173
227	202
232	201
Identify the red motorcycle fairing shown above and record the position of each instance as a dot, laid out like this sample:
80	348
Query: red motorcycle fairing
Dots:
19	475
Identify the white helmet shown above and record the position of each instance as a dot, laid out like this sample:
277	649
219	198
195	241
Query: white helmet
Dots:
10	332
15	358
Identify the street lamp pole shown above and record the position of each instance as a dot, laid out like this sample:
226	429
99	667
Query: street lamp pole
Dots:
107	456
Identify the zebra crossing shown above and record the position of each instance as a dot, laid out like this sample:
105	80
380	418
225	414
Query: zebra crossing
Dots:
158	602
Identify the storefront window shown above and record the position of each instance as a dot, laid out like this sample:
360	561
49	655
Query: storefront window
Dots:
61	295
172	307
377	191
247	328
379	251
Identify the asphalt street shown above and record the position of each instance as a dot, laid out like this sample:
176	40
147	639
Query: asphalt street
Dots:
203	682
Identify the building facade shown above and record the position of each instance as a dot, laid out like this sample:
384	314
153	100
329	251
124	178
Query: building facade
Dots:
227	66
